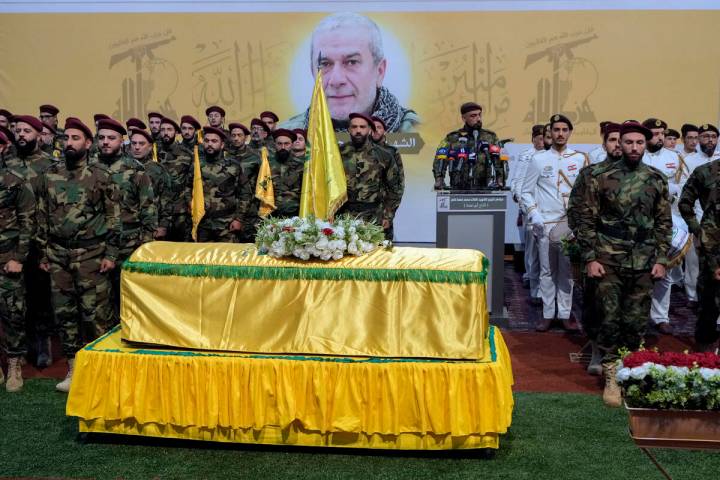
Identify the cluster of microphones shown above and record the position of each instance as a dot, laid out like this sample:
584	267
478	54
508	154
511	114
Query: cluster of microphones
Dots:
462	162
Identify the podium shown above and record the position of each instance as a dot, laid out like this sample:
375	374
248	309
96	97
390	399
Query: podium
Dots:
476	219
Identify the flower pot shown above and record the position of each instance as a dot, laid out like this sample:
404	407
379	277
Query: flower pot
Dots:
695	429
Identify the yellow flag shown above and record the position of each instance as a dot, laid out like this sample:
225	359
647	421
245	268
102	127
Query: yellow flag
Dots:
324	188
197	206
155	152
264	190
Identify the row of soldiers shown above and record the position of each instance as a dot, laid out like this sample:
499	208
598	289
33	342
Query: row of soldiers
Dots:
70	218
622	207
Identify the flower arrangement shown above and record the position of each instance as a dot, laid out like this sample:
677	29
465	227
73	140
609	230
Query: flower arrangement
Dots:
670	380
311	237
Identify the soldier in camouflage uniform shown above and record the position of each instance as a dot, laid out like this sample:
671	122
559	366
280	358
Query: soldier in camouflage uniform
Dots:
704	186
375	181
462	152
379	138
5	117
154	121
226	194
260	136
178	163
300	148
138	214
79	233
287	173
17	227
249	160
49	116
216	118
624	232
189	128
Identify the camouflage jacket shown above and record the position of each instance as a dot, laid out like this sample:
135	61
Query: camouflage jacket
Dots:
700	186
17	216
138	213
179	165
226	194
463	138
162	190
287	185
79	205
188	146
576	201
710	230
626	221
249	161
392	200
375	181
33	166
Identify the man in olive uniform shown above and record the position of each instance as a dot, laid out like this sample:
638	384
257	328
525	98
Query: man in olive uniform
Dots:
249	161
379	138
375	181
299	146
702	187
141	150
216	118
48	143
237	141
79	233
260	135
5	117
17	227
624	233
270	119
189	128
287	173
464	154
154	120
49	115
138	213
178	163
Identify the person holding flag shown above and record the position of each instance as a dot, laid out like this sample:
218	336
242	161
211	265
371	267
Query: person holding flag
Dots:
280	178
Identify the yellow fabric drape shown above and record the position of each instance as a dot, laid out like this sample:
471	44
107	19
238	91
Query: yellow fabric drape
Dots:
350	402
198	195
264	190
324	187
154	152
374	317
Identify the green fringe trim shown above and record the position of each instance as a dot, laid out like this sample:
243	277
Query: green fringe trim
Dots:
244	272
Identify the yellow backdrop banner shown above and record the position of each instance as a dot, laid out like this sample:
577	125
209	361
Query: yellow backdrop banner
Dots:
407	302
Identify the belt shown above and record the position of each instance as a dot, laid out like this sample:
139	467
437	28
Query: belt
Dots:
623	234
79	243
221	213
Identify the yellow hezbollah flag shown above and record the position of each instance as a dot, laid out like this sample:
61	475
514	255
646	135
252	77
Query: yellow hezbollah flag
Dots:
264	190
324	188
197	206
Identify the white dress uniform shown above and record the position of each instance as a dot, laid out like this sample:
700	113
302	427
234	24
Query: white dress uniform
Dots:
692	262
597	155
668	162
532	262
544	197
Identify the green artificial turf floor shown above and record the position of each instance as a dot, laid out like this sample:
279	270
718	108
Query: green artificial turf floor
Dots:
553	436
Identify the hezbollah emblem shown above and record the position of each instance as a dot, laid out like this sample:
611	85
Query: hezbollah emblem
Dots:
704	127
556	118
658	123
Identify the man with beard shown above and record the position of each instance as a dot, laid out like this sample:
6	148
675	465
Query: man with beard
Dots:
624	233
80	234
378	137
668	162
154	120
544	196
470	167
138	213
216	118
708	137
177	160
49	115
690	138
375	182
611	146
226	194
259	133
47	141
5	117
238	137
348	49
17	228
270	119
32	163
287	173
249	161
517	174
189	128
598	154
141	150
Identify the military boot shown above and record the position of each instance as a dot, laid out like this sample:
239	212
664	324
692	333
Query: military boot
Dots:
595	366
64	386
612	396
2	377
44	356
14	376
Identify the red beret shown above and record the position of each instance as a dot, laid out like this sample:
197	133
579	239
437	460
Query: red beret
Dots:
5	113
234	126
110	124
302	132
364	117
34	122
172	122
155	115
51	109
215	108
708	127
4	140
77	124
257	121
610	127
100	116
208	129
560	118
603	124
654	123
49	127
269	114
143	132
190	120
284	132
469	107
378	119
635	127
135	123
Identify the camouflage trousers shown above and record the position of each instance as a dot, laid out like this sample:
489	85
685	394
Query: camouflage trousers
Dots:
179	231
622	305
369	212
216	230
128	248
12	313
708	291
80	295
39	316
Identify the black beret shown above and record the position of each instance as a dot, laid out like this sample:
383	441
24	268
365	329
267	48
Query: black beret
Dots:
172	122
537	130
375	118
469	107
670	132
688	127
560	118
654	123
235	126
155	115
215	108
708	127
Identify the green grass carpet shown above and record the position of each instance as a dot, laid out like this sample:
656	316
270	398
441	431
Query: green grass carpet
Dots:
553	436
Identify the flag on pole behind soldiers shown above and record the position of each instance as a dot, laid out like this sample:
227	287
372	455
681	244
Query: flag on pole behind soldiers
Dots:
198	196
264	190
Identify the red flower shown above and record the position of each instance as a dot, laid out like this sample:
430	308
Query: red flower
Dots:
328	231
288	229
676	359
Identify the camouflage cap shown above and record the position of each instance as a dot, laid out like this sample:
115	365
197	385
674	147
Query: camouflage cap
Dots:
215	131
560	118
34	122
190	120
635	127
141	131
653	123
284	132
170	121
110	124
369	121
236	126
49	127
50	109
469	107
269	114
708	127
135	123
215	108
73	123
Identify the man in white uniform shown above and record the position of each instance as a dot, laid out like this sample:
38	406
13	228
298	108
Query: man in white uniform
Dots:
690	140
599	154
544	197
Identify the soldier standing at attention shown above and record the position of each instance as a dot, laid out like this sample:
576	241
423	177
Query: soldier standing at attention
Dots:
216	118
177	160
379	138
259	133
624	232
299	146
79	233
154	119
287	174
690	138
249	161
375	181
49	115
270	119
189	128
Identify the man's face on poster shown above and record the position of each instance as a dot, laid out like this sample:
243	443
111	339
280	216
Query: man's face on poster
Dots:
350	74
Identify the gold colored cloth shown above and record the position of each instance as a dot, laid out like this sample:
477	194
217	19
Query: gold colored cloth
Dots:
289	315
